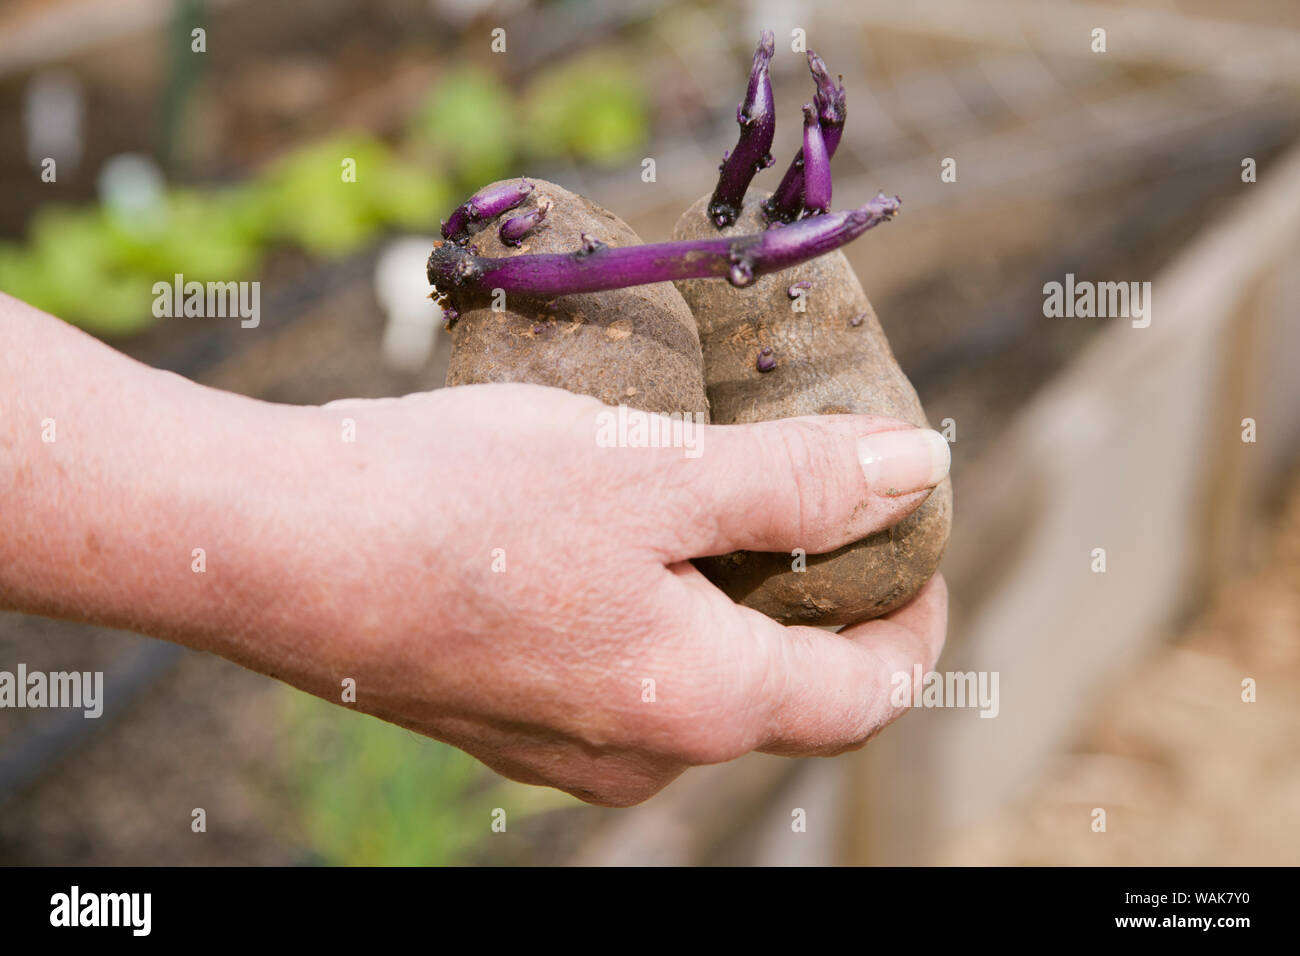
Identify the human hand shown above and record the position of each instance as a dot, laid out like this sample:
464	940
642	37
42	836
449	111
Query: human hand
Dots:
494	578
366	540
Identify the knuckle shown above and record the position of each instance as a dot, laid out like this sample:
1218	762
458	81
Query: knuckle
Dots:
604	795
805	454
707	720
709	748
622	788
691	738
686	498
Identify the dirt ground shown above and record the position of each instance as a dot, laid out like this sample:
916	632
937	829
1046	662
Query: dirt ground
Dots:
1186	770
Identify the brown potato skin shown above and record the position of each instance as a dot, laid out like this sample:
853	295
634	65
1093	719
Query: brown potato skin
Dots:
637	347
824	366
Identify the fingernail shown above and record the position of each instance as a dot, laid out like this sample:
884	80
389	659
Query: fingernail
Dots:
900	462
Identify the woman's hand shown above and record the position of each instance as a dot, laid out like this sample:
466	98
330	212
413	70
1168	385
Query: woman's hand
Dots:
502	580
480	561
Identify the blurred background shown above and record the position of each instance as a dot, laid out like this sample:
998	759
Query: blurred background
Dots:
1169	157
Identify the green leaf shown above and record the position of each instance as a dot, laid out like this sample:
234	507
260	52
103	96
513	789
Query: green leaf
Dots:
369	793
405	196
593	108
467	124
310	202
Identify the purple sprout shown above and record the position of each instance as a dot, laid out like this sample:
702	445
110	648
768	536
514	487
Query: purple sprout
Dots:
462	277
787	202
514	230
590	244
816	165
766	361
485	204
456	272
757	119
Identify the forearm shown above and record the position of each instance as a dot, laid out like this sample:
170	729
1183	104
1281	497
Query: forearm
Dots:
133	498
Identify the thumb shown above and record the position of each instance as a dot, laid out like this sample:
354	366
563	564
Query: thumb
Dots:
816	483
